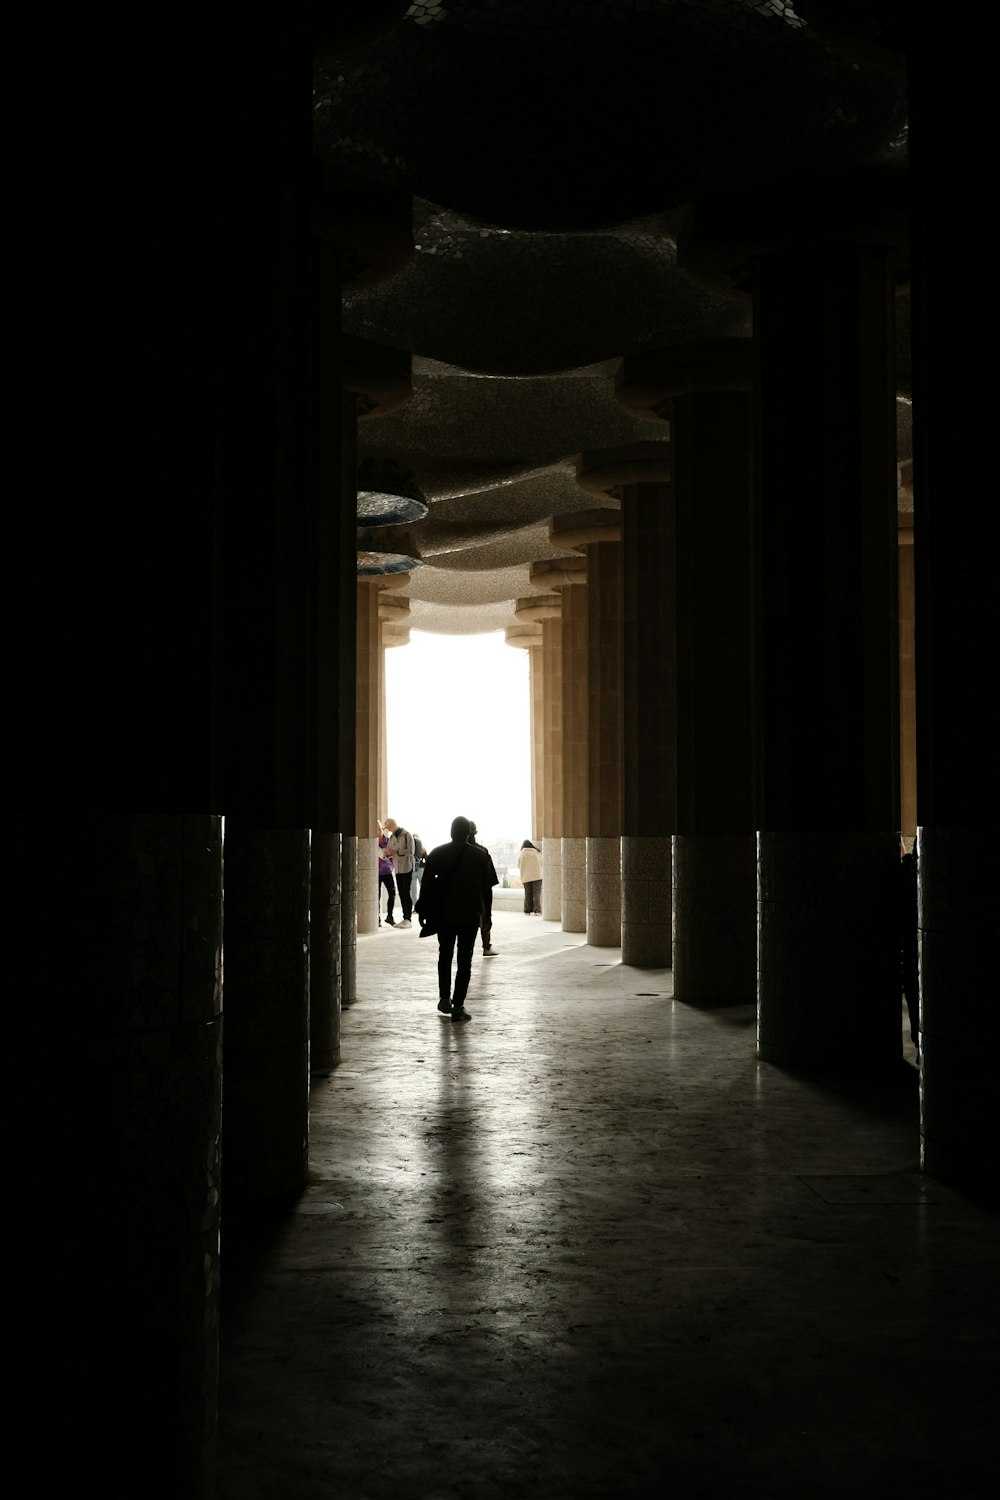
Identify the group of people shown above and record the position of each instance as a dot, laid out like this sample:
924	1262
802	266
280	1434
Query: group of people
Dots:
451	889
401	858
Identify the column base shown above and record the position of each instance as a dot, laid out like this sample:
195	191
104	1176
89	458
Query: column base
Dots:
368	891
958	1115
324	954
604	892
828	958
552	879
646	937
715	919
348	920
574	885
266	958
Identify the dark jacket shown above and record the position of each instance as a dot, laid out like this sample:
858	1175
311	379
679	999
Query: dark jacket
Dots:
461	873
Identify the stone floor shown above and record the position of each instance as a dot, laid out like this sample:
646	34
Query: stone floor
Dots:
587	1245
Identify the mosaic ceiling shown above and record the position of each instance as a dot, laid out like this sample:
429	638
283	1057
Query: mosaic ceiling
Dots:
553	151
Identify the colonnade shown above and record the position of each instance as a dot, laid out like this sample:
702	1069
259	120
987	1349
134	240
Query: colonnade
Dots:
738	641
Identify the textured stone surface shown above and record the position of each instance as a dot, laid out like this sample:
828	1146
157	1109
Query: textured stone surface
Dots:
957	925
646	901
266	957
589	1246
715	919
325	951
815	897
604	892
367	887
574	885
552	879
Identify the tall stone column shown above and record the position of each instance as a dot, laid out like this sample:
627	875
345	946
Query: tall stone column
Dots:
528	638
267	1020
369	698
569	575
599	532
826	609
376	380
907	659
134	1062
545	610
957	617
689	659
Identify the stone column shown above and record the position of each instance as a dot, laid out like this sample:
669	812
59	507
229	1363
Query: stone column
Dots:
128	1255
569	575
690	626
325	963
599	532
529	638
957	619
376	380
907	659
369	695
545	610
826	609
267	1003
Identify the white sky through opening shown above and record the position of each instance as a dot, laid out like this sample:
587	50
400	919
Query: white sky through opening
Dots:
458	736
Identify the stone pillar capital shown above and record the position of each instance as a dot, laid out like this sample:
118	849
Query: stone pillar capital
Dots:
391	607
525	637
395	634
583	528
647	382
557	572
380	377
539	608
606	470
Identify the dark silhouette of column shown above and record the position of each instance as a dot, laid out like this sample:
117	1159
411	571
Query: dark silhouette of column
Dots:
957	616
689	658
819	262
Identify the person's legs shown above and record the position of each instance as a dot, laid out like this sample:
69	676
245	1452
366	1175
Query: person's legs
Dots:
486	927
386	880
463	968
446	947
403	882
528	897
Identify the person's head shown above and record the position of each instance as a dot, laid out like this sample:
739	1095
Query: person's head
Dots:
391	824
460	830
473	830
528	844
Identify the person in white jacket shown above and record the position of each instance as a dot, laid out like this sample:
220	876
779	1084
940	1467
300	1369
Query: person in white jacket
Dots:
402	850
529	863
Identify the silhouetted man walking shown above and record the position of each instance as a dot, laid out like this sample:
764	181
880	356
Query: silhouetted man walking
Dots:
455	892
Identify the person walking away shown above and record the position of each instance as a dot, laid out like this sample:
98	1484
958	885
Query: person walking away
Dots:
453	896
486	925
529	863
385	877
401	850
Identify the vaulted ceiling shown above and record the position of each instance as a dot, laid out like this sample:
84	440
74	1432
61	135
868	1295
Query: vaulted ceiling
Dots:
553	152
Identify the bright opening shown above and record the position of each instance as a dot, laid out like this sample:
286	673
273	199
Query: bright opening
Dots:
458	739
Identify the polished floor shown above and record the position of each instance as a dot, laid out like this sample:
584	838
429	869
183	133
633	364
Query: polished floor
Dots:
587	1245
